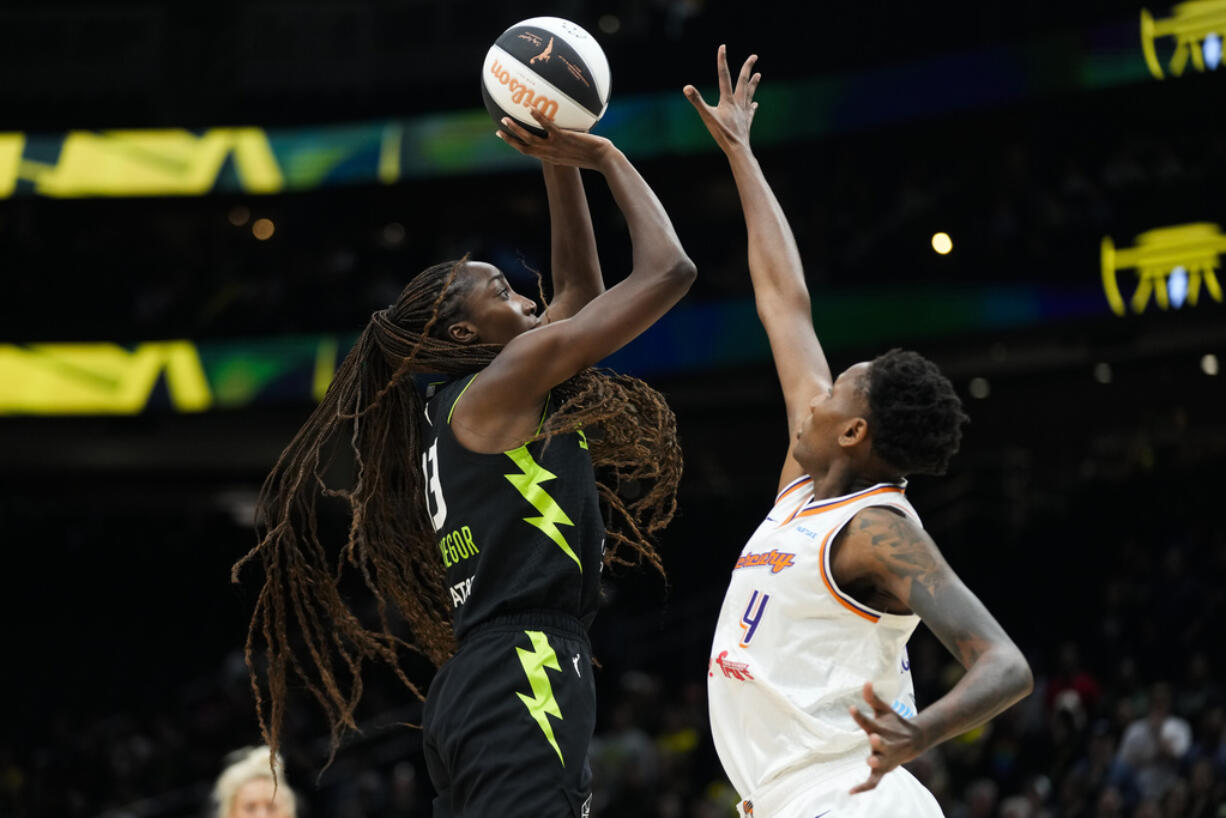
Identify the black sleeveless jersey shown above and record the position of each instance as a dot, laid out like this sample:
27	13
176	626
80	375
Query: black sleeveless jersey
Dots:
519	532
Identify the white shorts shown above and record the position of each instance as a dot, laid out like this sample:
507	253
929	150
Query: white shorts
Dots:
825	793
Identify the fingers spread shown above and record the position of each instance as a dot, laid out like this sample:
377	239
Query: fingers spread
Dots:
512	127
512	141
705	111
519	137
876	703
752	88
865	723
544	121
871	783
746	72
725	78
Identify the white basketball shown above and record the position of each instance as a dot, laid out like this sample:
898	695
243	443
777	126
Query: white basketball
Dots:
549	64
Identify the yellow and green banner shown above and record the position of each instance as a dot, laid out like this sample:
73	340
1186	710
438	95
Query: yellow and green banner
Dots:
170	162
181	375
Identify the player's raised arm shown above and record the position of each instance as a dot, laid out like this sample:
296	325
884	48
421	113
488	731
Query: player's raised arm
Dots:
573	263
780	292
661	271
905	563
532	363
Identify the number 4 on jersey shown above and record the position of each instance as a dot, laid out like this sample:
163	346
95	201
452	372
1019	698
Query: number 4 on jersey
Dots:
751	617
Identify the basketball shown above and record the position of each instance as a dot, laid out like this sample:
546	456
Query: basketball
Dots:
549	64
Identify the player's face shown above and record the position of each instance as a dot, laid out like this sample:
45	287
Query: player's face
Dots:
256	799
495	311
832	413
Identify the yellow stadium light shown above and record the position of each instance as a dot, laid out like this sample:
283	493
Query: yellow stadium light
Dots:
1196	26
263	229
942	243
1188	254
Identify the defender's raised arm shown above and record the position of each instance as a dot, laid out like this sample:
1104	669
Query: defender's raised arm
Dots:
778	276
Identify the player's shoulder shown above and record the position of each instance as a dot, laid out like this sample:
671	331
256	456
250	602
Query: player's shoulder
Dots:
889	525
439	395
884	544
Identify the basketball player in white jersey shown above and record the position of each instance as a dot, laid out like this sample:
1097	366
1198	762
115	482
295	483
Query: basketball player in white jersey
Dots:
811	704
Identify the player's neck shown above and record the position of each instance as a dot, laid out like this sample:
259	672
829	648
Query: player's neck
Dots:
835	481
841	478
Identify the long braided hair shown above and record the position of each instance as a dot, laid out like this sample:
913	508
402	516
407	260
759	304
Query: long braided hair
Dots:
301	620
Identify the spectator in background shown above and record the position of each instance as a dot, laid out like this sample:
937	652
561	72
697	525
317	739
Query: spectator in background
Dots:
1205	797
1071	675
1110	804
1153	745
1200	691
980	801
247	787
627	763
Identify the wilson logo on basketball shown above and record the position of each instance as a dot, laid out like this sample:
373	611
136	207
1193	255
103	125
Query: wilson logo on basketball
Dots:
523	95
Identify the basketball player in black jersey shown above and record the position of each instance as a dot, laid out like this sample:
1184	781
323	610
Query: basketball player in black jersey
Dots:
477	513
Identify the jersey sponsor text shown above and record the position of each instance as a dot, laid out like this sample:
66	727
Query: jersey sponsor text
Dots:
777	560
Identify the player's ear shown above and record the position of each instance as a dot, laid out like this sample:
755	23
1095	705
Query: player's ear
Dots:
462	332
854	432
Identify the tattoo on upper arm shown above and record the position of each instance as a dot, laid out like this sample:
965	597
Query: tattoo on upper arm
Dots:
901	548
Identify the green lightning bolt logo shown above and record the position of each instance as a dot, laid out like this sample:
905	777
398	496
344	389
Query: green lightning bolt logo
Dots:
529	485
541	704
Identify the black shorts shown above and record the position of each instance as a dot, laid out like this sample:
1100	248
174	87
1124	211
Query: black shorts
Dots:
509	719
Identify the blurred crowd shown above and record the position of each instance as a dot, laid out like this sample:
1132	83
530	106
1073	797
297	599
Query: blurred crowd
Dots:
1118	609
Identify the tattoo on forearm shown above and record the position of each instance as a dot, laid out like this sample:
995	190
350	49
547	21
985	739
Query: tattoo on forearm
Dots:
968	647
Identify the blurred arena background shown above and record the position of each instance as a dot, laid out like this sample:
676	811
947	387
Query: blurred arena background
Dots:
201	203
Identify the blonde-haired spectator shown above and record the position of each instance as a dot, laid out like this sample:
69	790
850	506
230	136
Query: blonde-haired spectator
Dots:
247	788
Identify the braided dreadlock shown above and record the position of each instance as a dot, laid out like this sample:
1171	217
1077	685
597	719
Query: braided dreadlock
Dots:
391	543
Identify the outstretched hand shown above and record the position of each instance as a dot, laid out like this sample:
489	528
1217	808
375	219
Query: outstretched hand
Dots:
730	119
558	146
892	739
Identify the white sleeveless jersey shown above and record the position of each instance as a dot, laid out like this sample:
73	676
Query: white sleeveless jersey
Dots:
792	651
